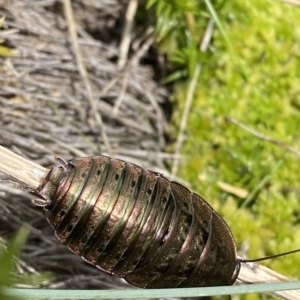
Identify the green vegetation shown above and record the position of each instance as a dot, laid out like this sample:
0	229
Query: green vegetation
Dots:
9	276
180	27
252	81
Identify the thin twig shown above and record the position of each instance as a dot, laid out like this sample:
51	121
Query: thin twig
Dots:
190	95
125	74
125	42
254	273
142	49
21	168
263	136
149	34
83	72
292	2
121	95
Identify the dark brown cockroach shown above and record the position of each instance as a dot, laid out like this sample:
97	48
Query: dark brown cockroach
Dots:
136	224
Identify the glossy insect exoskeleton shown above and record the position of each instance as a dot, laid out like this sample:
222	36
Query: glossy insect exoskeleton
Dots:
136	224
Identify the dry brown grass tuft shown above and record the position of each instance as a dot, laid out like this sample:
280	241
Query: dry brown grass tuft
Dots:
45	111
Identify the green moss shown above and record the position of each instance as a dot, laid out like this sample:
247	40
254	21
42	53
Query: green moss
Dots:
259	88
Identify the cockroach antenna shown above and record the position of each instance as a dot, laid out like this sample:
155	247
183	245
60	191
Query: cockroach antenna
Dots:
269	257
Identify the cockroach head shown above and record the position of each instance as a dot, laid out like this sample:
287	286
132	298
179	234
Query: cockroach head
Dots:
49	185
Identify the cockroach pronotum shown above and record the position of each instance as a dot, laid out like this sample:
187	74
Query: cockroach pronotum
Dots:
136	224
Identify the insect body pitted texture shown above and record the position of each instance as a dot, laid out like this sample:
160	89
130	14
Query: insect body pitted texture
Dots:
136	224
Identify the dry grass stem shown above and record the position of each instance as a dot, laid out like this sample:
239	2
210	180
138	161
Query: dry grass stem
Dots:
126	72
20	168
125	42
190	95
292	2
82	69
254	273
263	136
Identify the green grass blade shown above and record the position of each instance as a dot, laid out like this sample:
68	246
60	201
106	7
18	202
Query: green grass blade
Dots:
218	22
155	293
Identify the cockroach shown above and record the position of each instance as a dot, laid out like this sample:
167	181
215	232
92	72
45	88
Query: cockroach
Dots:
136	224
